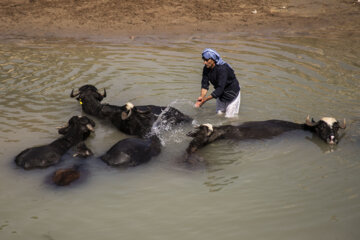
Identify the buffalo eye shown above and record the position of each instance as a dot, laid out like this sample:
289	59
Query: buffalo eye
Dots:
322	126
83	120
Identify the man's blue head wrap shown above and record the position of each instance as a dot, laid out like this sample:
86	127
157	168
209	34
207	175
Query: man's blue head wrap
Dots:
210	53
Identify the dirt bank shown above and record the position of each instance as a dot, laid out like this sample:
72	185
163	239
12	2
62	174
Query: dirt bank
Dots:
111	18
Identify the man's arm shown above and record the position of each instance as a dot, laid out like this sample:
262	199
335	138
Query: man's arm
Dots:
202	99
202	94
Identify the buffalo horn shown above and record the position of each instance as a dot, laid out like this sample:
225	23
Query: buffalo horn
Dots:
90	127
148	110
309	122
103	94
72	94
64	126
125	115
343	125
209	128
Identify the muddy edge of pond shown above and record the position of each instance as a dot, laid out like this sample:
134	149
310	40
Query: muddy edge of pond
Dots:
113	18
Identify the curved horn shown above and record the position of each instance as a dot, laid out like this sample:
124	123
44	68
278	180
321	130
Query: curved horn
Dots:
148	110
102	94
90	127
72	94
309	122
64	126
343	125
209	127
126	115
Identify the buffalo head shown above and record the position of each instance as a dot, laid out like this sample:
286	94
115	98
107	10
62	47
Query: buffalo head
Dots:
134	121
89	98
88	90
326	128
76	130
202	135
78	125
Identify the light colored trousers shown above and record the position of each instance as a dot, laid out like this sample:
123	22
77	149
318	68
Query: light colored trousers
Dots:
231	109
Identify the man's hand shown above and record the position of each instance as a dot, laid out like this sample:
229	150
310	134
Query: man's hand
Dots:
199	102
202	99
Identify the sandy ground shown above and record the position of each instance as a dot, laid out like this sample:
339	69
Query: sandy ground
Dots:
131	18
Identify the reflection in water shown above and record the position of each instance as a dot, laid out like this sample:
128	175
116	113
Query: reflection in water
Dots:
250	190
325	148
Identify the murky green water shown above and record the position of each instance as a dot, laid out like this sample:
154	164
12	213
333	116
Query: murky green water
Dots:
291	187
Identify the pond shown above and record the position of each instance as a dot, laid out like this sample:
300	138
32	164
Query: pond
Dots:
291	187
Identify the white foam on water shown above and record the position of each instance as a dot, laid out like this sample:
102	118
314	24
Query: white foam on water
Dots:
161	125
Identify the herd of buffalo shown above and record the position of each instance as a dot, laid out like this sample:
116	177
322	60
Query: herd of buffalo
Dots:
144	144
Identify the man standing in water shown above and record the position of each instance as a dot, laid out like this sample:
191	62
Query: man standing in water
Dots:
222	77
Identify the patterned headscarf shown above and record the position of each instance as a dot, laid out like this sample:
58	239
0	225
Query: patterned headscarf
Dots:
210	53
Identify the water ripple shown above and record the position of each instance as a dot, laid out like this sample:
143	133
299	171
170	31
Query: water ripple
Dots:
261	182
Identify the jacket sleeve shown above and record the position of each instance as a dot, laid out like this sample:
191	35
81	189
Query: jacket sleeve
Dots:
205	80
221	78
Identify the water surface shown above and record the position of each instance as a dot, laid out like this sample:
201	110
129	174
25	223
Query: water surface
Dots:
290	187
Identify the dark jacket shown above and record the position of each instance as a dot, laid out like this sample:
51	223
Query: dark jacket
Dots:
223	78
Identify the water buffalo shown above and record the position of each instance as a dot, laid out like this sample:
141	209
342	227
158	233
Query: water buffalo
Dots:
326	129
142	117
76	131
131	152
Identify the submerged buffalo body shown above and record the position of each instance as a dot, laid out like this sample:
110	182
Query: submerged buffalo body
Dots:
326	129
77	130
65	176
131	152
127	118
139	121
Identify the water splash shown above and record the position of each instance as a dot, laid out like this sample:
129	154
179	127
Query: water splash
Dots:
163	125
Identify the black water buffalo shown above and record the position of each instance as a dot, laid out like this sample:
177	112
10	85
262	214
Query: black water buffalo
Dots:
326	129
131	152
76	131
134	121
127	118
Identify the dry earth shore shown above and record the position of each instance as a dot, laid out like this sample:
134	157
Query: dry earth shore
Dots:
111	18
